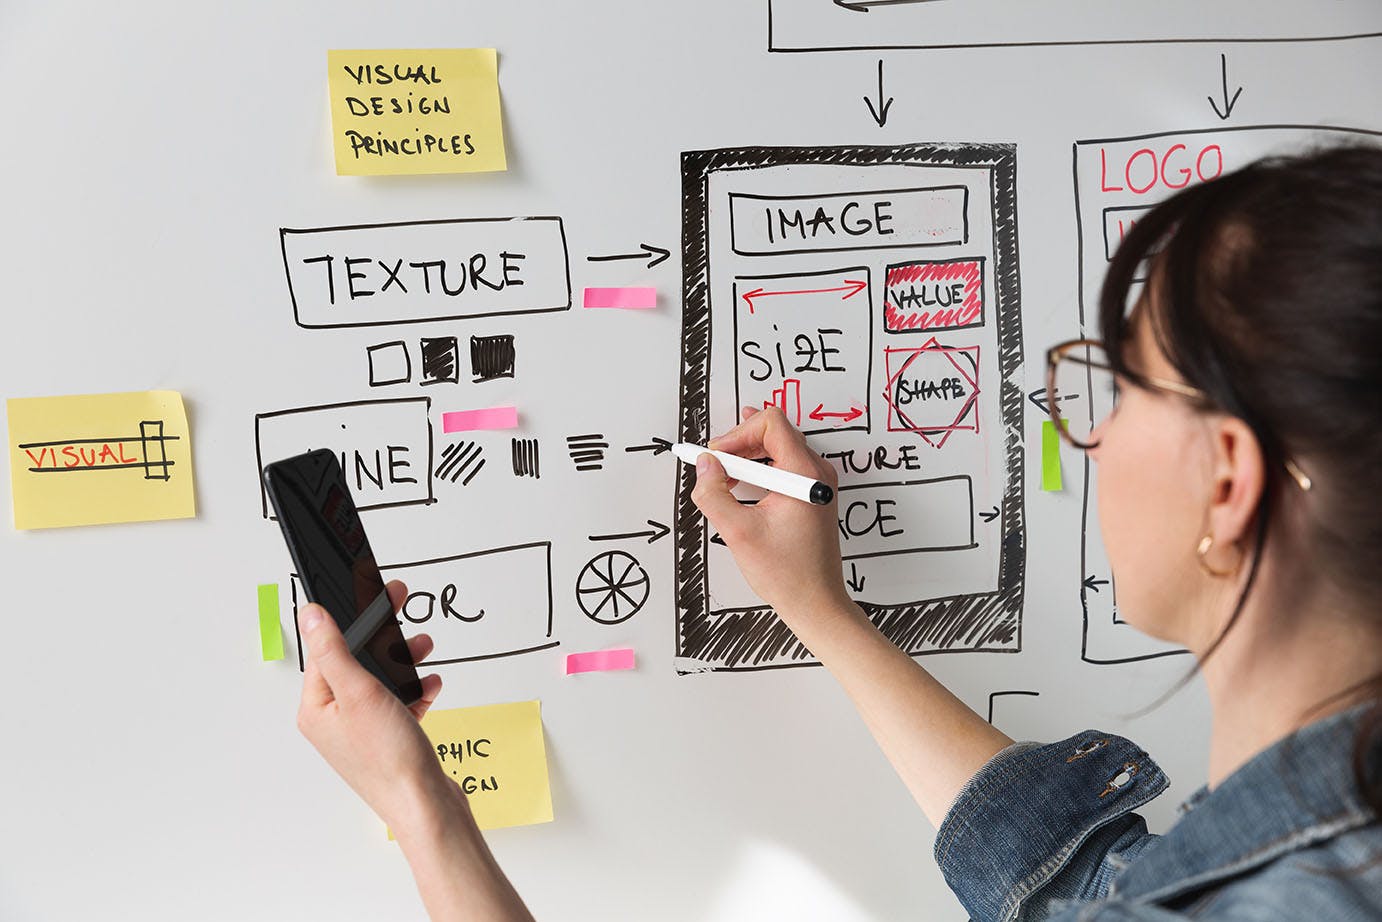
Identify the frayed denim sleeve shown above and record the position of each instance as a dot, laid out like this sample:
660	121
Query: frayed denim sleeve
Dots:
1039	826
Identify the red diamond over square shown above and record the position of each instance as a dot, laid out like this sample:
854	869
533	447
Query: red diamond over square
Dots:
961	364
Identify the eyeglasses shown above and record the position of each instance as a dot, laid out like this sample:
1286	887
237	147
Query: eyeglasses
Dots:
1082	392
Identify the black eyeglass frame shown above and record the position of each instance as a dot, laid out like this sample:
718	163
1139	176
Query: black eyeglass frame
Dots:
1062	352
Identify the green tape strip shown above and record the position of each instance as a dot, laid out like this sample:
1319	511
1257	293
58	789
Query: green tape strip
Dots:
270	632
1050	457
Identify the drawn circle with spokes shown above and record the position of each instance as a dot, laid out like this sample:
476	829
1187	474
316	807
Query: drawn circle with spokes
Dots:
612	587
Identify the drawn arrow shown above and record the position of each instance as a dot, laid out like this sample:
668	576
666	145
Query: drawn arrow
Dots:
716	539
1093	584
653	254
880	114
1228	103
1038	397
851	288
658	531
657	447
990	515
817	414
855	581
863	6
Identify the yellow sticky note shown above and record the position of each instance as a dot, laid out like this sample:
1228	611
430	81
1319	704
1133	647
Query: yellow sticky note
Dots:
497	756
415	111
98	458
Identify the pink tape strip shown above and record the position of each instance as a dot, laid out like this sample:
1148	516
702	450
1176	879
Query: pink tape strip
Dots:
639	299
599	661
490	418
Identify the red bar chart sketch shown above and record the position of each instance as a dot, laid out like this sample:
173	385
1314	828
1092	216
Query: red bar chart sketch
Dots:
871	294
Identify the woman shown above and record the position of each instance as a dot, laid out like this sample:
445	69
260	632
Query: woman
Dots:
1239	476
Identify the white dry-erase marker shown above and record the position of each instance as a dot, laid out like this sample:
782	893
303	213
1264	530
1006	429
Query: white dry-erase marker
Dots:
761	475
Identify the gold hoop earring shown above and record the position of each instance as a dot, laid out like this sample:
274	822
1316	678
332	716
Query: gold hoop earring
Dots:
1202	549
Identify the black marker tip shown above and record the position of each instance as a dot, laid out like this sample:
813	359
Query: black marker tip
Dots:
821	493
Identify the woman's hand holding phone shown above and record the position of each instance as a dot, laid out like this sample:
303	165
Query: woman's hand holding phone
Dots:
362	730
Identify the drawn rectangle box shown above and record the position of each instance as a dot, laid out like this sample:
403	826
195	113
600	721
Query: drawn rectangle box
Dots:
853	25
775	225
476	606
386	447
906	517
521	265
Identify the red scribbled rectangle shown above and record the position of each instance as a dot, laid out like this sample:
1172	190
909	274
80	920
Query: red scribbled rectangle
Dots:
934	295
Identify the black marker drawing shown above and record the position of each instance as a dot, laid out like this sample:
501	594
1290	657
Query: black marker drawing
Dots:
363	275
587	451
389	363
652	254
477	606
1001	694
384	446
1115	180
958	220
796	26
491	357
441	363
463	459
880	112
656	446
1229	102
657	531
612	587
525	458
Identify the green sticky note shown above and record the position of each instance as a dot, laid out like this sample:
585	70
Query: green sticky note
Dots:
1050	456
270	633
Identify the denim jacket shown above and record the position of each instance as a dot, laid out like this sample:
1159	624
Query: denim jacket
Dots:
1048	832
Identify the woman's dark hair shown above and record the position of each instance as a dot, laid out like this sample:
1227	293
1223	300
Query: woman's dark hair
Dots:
1269	299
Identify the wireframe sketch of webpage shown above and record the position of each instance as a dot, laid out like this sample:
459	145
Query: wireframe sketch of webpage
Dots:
839	25
870	294
1116	181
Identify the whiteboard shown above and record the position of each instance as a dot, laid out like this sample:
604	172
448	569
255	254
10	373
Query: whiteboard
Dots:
168	173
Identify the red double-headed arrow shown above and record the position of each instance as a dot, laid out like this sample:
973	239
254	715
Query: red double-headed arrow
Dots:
850	288
819	415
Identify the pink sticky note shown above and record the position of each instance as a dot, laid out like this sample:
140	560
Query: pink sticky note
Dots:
638	299
489	418
599	661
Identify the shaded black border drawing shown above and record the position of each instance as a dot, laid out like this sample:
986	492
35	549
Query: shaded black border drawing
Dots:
386	568
427	465
1089	581
924	46
283	233
755	639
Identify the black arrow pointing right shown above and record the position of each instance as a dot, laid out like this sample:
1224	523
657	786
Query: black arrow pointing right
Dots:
653	254
658	531
657	446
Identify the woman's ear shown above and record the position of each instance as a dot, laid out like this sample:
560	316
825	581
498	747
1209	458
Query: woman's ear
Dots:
1239	475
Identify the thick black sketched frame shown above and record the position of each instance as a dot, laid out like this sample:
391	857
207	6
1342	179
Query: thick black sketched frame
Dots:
426	403
284	232
753	638
387	569
1084	315
866	423
923	46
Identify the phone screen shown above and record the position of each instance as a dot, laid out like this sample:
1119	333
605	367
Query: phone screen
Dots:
336	565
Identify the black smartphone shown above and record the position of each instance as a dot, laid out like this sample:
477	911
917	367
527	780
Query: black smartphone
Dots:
336	565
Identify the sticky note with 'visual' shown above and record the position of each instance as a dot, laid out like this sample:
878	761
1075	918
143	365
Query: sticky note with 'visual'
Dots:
100	458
